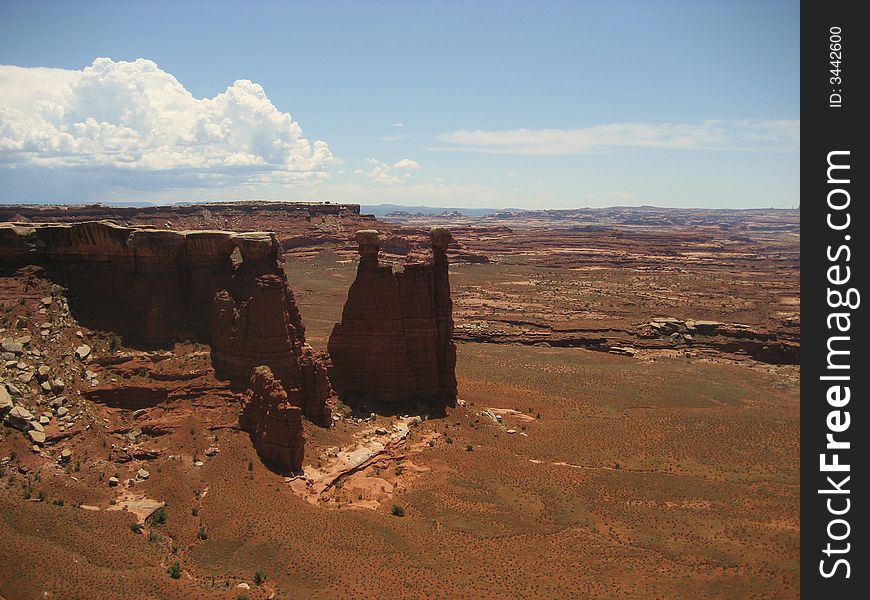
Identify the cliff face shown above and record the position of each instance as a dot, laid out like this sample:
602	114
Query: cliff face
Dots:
274	423
158	286
394	342
94	212
148	285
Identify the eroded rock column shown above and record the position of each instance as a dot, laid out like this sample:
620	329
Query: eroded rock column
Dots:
274	423
394	341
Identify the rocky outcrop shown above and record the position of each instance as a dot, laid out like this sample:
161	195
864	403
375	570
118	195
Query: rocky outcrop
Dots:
274	423
151	286
394	343
262	330
155	287
256	322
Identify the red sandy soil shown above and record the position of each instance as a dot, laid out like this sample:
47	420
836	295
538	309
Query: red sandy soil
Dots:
562	472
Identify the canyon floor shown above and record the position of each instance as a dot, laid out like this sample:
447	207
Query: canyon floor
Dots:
627	427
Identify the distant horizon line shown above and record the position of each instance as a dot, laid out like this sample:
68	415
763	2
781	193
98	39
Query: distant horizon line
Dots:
145	203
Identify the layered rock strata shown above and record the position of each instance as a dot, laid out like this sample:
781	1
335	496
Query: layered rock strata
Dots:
149	285
274	423
158	286
395	340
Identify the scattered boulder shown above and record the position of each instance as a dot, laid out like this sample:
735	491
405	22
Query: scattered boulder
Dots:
20	418
43	373
62	411
5	401
57	386
12	347
83	351
624	350
37	437
113	482
65	455
143	474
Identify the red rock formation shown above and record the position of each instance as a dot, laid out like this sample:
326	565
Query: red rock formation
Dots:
274	423
129	397
151	286
258	323
158	286
394	342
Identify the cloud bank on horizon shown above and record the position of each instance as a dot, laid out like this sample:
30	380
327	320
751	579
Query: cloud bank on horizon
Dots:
133	116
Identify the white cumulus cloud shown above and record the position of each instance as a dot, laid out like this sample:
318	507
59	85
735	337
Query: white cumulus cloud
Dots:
133	117
398	172
744	135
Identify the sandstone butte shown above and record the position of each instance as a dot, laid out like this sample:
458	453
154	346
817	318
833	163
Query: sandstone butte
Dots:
394	343
155	287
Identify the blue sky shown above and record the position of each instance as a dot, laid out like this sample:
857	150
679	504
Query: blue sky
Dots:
448	104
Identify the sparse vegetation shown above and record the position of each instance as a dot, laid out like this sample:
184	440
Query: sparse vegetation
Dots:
398	511
157	518
203	534
114	342
259	577
136	527
174	570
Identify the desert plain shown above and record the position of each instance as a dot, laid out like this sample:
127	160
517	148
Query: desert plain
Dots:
626	422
